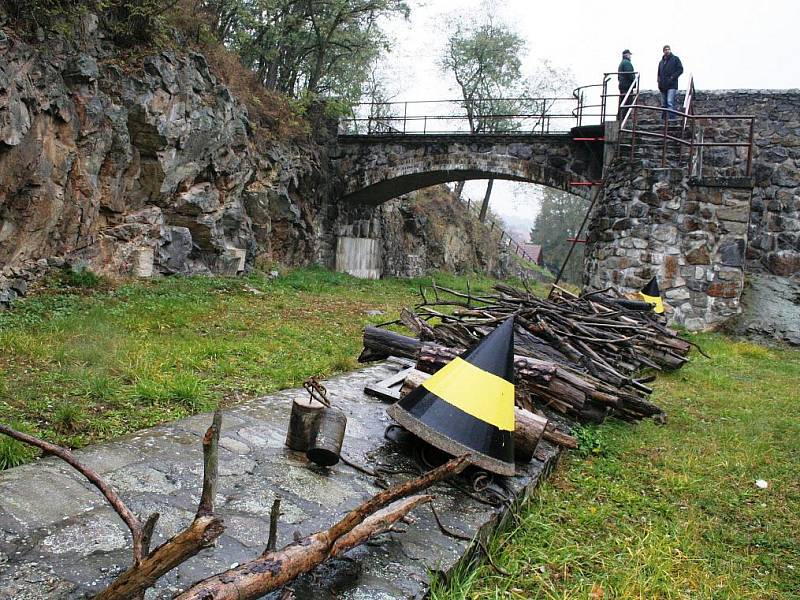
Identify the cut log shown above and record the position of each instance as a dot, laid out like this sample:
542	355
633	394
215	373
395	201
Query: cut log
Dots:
303	422
528	430
382	343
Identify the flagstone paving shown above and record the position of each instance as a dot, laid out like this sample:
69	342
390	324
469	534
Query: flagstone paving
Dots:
59	539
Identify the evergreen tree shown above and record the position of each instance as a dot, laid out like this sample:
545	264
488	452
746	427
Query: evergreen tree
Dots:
558	220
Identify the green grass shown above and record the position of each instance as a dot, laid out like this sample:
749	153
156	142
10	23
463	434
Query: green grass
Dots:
82	362
672	511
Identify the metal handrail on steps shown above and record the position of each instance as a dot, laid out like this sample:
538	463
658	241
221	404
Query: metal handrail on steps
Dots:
518	250
579	93
696	142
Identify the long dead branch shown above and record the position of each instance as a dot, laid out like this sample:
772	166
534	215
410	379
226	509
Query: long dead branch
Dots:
268	572
201	533
133	523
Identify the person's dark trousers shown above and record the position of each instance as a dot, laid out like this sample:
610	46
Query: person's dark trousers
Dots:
668	101
621	112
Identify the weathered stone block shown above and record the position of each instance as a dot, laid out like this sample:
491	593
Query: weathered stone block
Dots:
739	214
666	233
731	253
687	224
671	267
698	256
677	294
638	210
728	274
724	289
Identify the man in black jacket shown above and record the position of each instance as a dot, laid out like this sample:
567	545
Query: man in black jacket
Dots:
669	69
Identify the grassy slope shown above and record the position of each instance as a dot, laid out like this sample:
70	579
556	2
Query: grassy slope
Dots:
672	511
660	512
78	367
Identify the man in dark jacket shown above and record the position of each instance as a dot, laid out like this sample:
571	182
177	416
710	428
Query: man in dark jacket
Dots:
669	69
625	77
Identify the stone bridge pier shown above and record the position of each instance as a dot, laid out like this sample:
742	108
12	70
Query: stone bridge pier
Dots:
691	234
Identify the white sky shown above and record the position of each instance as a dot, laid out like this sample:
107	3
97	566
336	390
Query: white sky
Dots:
725	44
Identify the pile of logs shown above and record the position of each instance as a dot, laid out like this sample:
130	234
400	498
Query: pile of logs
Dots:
581	357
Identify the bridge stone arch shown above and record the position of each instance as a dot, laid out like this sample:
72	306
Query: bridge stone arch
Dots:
375	169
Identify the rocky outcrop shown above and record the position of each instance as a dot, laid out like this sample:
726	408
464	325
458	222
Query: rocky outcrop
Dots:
152	167
771	308
148	170
421	232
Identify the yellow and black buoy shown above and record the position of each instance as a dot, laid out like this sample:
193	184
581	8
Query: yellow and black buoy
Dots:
651	294
468	405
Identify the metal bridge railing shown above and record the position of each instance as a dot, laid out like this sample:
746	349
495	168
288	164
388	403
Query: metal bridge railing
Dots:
506	239
593	104
589	105
495	116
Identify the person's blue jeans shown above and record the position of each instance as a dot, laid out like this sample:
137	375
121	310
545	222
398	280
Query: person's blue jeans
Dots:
668	101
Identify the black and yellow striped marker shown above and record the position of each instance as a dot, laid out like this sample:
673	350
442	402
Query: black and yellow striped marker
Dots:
468	405
651	294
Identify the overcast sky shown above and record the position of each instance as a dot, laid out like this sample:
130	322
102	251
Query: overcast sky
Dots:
725	45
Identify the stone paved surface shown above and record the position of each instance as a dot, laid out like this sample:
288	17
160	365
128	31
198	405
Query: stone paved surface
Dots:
59	539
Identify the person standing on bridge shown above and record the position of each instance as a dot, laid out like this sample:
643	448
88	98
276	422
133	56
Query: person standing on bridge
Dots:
669	69
625	78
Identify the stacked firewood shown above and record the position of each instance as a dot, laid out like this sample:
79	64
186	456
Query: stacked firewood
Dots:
580	356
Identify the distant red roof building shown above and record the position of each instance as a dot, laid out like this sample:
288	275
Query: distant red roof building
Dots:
533	252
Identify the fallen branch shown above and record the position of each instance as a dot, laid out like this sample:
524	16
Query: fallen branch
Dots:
134	525
268	572
201	533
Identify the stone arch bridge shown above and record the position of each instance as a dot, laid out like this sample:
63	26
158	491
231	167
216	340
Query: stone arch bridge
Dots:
377	168
685	210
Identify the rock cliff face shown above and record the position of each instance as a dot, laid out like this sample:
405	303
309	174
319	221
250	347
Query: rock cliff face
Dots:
148	172
151	166
426	231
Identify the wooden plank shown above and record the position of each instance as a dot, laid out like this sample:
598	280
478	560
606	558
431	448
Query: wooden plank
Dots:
388	389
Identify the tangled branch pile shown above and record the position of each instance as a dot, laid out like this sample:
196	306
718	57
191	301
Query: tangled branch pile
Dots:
578	356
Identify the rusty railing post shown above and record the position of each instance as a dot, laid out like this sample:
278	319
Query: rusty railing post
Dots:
603	100
750	147
691	148
664	145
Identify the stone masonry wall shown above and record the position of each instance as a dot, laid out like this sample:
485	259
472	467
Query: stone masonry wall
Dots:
774	235
692	236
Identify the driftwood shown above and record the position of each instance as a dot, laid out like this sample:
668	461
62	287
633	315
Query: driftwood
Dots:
580	356
147	566
595	334
265	573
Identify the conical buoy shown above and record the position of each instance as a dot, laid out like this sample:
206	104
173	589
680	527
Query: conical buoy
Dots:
651	294
468	405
